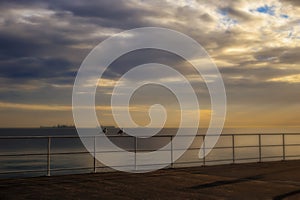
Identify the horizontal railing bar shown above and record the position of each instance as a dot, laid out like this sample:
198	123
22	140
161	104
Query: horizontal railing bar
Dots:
157	136
44	154
226	147
221	160
37	137
68	169
292	156
256	146
262	134
251	158
147	150
271	157
188	162
247	146
154	164
292	145
23	171
192	162
101	167
197	148
143	150
141	165
23	154
272	145
139	150
70	153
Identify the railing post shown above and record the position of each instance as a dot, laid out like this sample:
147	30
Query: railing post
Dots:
203	138
135	151
283	146
233	149
259	146
49	157
172	159
95	168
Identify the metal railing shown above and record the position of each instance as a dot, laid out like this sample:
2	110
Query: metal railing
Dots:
232	145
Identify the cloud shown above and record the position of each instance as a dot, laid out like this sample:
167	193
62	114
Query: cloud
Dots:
254	43
35	68
287	79
19	106
293	2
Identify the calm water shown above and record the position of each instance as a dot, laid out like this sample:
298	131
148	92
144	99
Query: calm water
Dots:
82	159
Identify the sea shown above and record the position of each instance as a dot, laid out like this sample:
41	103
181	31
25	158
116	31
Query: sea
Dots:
24	151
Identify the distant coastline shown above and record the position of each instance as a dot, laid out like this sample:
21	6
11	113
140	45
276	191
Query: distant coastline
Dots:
71	126
59	126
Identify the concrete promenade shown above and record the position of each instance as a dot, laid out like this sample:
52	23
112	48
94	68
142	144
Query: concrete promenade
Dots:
270	180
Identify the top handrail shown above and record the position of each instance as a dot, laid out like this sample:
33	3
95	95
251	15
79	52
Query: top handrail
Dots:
128	136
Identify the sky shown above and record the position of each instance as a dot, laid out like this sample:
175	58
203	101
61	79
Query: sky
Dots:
255	45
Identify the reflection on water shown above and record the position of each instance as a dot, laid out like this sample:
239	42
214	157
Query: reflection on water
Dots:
70	153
